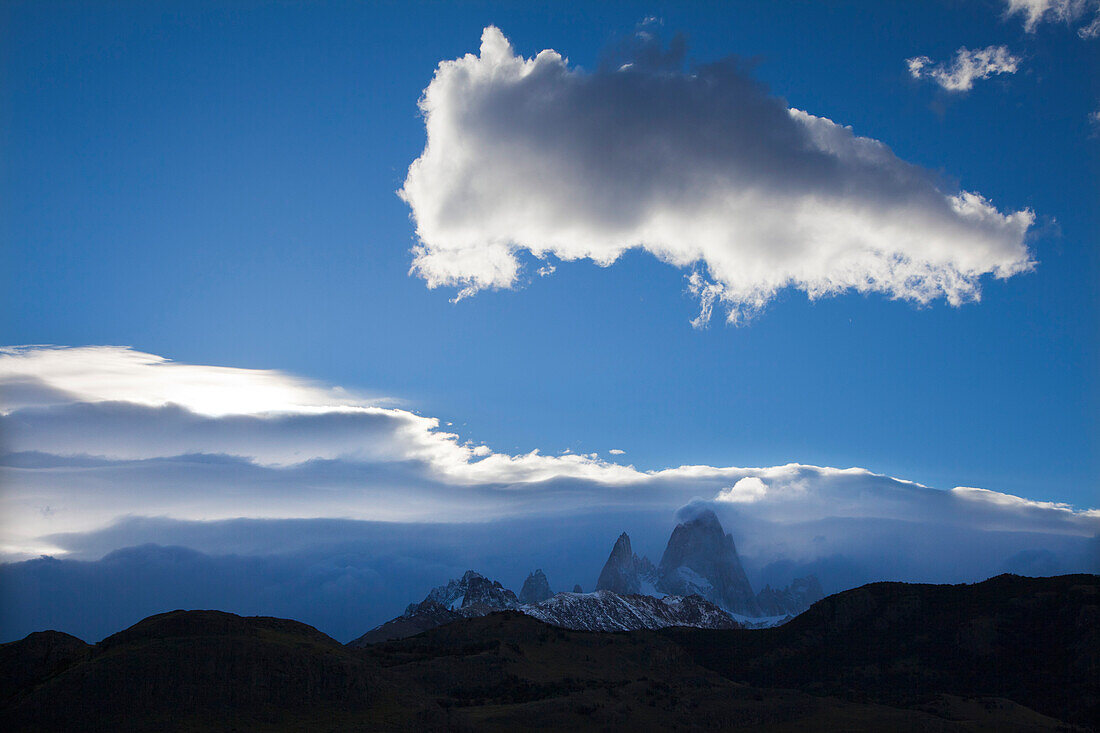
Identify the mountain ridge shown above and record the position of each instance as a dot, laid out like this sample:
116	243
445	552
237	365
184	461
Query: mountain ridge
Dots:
1007	654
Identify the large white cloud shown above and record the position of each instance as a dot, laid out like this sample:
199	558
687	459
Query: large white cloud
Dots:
151	437
704	170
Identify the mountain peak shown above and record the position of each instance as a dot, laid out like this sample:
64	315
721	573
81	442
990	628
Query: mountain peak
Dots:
624	572
622	546
702	517
472	589
536	588
701	558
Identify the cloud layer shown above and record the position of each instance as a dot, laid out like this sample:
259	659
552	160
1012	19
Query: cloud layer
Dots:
304	500
704	170
967	66
152	437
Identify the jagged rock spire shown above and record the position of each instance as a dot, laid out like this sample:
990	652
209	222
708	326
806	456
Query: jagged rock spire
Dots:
701	558
619	574
624	572
536	588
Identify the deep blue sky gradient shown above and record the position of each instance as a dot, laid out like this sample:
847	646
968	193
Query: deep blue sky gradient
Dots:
215	183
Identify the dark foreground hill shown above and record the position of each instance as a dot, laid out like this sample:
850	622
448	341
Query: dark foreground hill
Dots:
1032	640
1008	654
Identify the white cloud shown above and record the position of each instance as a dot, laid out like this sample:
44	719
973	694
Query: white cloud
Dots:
745	491
967	66
50	375
1069	12
76	461
996	498
121	404
616	452
704	170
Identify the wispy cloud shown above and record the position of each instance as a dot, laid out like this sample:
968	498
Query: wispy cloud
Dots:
51	375
703	169
967	66
1070	12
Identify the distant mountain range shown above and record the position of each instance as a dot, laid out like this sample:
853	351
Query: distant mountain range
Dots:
700	583
701	559
474	595
1007	654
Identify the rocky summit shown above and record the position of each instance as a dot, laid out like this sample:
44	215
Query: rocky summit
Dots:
624	572
473	591
471	595
536	588
701	559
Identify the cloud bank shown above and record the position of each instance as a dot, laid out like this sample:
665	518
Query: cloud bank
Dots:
967	66
147	436
289	497
703	169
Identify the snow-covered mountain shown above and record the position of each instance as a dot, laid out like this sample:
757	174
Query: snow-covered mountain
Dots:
701	559
475	595
605	610
472	591
471	595
700	582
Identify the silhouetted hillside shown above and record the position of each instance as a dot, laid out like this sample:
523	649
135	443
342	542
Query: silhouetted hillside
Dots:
200	670
887	656
1032	640
39	656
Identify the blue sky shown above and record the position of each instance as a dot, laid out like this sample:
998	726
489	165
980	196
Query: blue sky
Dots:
217	186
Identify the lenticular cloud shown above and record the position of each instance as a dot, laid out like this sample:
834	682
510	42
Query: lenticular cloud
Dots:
704	170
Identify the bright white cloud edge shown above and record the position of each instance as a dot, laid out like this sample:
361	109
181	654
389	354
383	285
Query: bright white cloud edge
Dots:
705	171
121	406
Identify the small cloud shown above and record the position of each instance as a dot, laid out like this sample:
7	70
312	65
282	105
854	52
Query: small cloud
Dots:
745	491
616	452
694	509
1057	11
967	67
